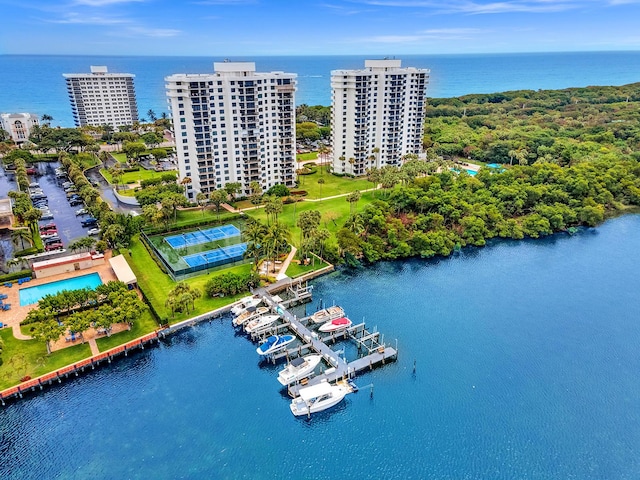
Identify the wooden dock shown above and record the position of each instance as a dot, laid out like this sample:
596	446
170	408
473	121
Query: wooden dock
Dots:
377	353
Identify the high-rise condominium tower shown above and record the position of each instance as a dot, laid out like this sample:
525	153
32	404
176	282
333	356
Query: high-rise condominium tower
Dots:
102	98
234	125
377	115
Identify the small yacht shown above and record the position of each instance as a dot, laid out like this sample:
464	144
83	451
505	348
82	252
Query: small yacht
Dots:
327	314
317	398
249	314
298	368
260	322
335	325
246	302
274	343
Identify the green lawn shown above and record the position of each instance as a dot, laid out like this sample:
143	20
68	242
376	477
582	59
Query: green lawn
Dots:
121	157
29	357
133	177
333	185
305	157
295	269
156	284
334	213
145	324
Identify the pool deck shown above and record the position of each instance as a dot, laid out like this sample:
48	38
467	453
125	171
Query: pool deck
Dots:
12	318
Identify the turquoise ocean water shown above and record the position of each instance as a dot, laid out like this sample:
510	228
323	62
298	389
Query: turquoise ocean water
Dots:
35	83
526	359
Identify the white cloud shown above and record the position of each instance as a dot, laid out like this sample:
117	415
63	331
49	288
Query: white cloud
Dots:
77	19
153	32
102	3
477	8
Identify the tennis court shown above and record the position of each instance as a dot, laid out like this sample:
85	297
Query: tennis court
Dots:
216	257
199	236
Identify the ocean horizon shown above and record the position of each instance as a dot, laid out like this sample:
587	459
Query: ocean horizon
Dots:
36	84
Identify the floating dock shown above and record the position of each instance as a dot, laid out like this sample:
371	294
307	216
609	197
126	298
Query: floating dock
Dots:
377	353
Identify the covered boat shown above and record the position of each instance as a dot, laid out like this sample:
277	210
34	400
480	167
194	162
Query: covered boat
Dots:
335	325
260	322
322	316
317	398
298	368
274	343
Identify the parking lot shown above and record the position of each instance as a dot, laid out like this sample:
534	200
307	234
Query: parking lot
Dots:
64	216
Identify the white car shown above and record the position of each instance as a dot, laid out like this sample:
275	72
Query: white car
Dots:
82	211
93	231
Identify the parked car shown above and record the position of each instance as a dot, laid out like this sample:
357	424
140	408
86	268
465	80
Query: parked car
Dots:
38	196
49	234
31	171
52	240
34	185
47	216
93	231
53	246
75	202
82	211
47	226
89	222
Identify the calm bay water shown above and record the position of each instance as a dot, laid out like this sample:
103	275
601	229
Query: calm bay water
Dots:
35	83
527	367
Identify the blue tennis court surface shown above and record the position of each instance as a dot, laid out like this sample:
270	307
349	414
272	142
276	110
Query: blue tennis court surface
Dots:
216	257
202	236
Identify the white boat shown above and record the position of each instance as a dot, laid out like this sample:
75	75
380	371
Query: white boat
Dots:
274	343
298	368
327	314
244	303
335	325
249	314
260	322
317	398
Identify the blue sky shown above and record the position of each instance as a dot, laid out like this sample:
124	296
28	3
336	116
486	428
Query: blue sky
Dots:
284	27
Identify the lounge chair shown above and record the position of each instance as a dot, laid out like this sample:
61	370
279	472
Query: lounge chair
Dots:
6	306
3	296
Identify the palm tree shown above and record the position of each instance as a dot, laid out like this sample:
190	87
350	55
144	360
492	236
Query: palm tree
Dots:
202	200
376	152
46	119
353	199
20	235
253	234
275	239
321	182
322	153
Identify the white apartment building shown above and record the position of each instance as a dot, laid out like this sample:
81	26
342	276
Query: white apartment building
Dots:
377	115
18	125
102	98
234	125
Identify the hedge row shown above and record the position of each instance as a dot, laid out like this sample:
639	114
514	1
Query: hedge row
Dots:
7	277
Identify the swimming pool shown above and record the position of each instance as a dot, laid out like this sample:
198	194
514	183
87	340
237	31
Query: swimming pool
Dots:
31	295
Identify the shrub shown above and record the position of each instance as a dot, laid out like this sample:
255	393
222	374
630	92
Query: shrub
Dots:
15	276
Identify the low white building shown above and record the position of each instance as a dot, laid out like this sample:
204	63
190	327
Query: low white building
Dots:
18	125
70	263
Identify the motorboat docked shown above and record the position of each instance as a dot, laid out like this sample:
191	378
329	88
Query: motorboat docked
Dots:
317	398
261	322
322	316
335	325
244	303
298	368
274	343
250	313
